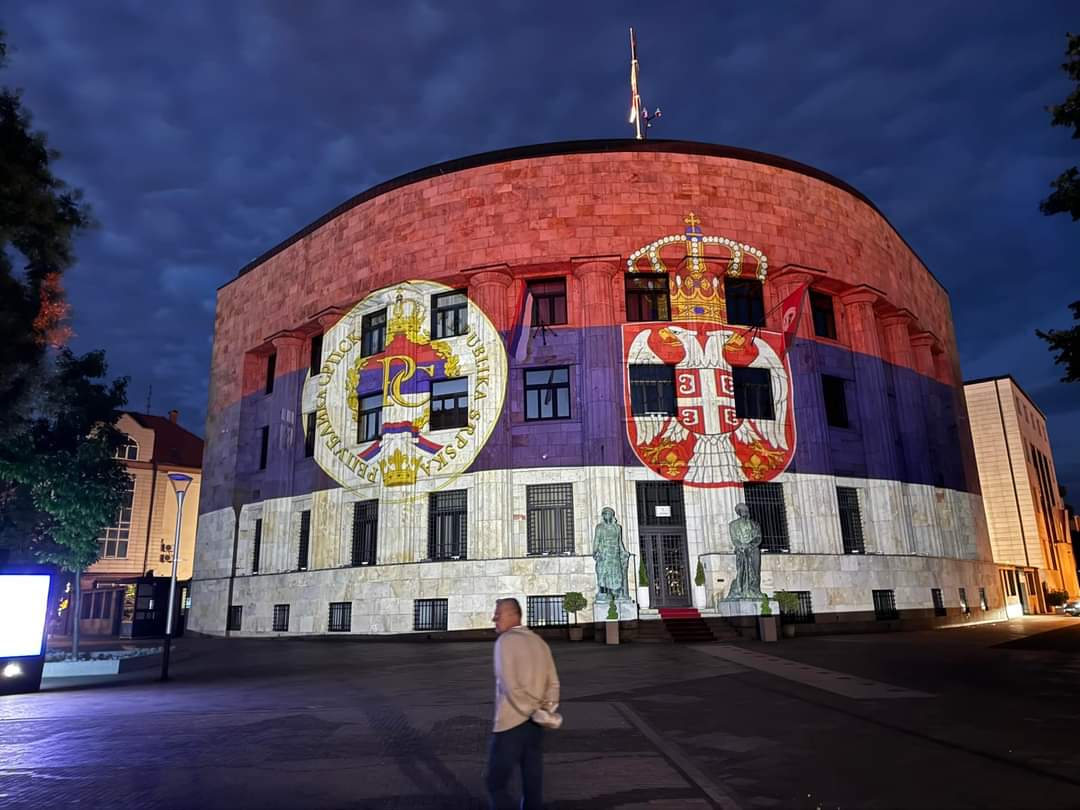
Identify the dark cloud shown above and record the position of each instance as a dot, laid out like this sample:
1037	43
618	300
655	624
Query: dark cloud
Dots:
204	133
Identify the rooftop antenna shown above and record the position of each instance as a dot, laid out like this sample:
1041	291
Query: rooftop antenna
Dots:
149	391
639	113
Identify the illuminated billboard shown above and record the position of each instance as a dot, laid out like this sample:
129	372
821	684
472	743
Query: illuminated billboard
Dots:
24	600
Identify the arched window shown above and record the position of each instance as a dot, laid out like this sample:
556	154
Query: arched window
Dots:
129	450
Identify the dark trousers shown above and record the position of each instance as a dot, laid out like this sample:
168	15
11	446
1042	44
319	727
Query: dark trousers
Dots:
522	746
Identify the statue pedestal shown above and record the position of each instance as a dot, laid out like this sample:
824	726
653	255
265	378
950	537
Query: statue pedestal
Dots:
626	608
731	608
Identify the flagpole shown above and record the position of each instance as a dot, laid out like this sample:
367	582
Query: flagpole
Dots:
635	98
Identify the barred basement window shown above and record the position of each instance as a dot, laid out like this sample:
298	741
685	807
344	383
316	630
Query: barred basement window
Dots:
550	510
449	314
236	617
745	301
429	614
271	372
281	618
549	301
449	403
547	393
256	546
546	611
309	435
753	393
364	531
821	305
766	504
832	389
850	520
305	540
369	421
885	606
652	390
983	604
264	445
340	617
964	606
647	297
373	333
804	612
938	600
447	525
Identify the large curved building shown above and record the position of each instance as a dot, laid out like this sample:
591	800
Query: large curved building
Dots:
425	400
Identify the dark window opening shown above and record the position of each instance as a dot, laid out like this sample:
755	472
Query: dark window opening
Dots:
449	314
305	540
271	371
647	297
256	546
983	604
447	525
652	390
373	333
938	600
833	389
803	612
340	620
236	617
850	520
369	422
450	403
821	305
281	618
745	301
264	445
548	301
547	393
546	611
885	606
364	532
550	509
753	393
315	361
429	614
766	504
309	435
964	606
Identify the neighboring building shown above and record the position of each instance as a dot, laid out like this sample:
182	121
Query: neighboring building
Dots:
424	400
122	591
1027	519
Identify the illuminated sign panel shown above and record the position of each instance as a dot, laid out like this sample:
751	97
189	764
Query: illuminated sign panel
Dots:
24	602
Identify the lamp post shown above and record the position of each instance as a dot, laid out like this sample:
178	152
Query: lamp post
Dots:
180	483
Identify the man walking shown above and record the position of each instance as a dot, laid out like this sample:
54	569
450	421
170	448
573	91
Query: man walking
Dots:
525	680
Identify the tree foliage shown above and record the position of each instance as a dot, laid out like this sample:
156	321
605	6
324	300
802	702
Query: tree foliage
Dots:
1066	195
1065	345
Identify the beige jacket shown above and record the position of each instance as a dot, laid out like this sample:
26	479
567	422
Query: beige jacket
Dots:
525	677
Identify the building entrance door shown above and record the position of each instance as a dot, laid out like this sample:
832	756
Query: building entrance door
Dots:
662	527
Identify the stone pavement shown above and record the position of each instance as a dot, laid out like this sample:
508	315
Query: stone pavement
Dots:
978	717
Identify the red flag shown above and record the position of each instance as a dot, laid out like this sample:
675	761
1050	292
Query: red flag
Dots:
790	311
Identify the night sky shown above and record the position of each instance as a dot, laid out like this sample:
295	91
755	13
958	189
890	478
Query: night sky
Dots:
204	133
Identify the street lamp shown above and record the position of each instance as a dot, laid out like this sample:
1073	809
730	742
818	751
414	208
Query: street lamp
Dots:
180	484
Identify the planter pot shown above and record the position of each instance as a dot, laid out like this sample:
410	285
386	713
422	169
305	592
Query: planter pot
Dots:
611	632
788	630
576	633
643	596
767	628
700	598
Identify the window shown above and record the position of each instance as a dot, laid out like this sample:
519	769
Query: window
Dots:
447	518
549	301
449	314
836	414
652	390
547	393
373	333
236	617
340	620
647	297
271	371
281	619
766	504
364	530
129	450
450	403
983	604
309	435
264	445
885	606
551	518
850	520
938	600
964	606
753	393
745	301
545	611
305	540
97	604
660	503
315	362
821	305
429	614
114	543
256	546
803	612
369	421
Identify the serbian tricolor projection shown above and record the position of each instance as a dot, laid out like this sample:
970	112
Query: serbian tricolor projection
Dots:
791	311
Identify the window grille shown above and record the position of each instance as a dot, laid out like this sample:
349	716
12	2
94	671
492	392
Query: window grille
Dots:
549	301
766	504
450	403
315	361
745	301
647	297
305	540
373	333
885	606
850	520
652	390
803	612
983	604
449	314
547	393
264	445
271	371
236	617
369	421
821	305
364	532
309	435
964	606
660	503
546	611
114	543
550	510
938	600
281	618
833	391
256	546
340	617
429	614
447	525
753	393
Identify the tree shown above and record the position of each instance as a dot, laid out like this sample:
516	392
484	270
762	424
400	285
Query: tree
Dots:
1065	345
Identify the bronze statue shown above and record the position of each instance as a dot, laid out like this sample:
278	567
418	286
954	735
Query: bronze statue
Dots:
611	556
745	536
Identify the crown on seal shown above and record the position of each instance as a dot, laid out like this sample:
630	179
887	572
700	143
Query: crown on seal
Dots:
699	291
410	324
399	470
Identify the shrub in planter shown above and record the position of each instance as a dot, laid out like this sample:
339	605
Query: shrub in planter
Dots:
573	602
642	574
1056	598
699	575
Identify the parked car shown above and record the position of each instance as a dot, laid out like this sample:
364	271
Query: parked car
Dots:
1072	607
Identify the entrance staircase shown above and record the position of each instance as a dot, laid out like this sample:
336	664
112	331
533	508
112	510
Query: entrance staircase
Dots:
686	626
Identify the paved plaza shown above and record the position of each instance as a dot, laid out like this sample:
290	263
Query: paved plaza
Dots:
980	717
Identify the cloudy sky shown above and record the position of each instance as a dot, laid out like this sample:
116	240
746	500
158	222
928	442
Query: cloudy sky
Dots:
204	133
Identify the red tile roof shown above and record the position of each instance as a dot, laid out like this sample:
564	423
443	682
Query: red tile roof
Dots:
172	443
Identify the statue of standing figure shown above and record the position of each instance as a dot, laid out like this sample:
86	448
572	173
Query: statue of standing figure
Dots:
745	533
611	557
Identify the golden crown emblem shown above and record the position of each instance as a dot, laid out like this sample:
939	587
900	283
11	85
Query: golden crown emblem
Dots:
698	293
410	323
399	470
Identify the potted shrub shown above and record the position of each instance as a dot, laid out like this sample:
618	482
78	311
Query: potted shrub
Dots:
572	603
611	626
766	621
699	585
643	584
789	605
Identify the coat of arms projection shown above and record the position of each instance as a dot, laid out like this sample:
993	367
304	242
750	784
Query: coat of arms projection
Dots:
708	394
